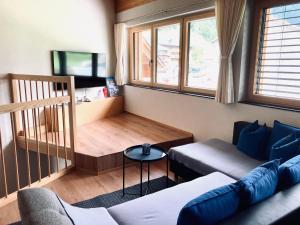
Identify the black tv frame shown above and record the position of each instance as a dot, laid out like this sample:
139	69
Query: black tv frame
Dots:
80	81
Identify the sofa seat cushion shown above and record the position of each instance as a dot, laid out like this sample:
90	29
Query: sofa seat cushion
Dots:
91	216
163	207
214	155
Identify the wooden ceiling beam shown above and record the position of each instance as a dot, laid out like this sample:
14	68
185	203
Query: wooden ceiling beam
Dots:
122	5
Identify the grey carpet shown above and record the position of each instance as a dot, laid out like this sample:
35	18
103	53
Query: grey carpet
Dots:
115	198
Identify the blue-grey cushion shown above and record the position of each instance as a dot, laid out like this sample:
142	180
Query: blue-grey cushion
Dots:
211	207
289	173
253	139
279	131
260	183
286	148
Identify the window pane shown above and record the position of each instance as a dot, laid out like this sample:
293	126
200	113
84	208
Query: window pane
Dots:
142	55
279	54
203	54
167	61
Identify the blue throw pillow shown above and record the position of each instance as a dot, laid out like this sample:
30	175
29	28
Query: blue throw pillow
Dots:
252	141
211	207
260	183
286	148
289	173
279	131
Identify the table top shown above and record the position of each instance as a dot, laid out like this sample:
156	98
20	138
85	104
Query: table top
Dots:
136	153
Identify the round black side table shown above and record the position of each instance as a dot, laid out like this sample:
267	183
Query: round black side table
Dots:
135	153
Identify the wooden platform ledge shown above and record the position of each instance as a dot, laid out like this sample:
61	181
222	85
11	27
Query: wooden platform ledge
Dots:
100	144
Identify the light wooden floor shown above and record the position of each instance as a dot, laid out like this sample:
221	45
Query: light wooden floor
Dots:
120	132
78	186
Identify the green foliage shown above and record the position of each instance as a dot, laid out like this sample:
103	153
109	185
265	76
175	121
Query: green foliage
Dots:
205	28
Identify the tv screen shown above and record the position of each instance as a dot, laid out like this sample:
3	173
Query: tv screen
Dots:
79	64
89	69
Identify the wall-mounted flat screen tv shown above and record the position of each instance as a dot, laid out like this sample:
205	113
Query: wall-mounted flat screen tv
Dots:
89	69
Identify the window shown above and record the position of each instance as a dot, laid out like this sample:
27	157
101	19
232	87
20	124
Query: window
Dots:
276	70
183	54
142	58
202	52
167	59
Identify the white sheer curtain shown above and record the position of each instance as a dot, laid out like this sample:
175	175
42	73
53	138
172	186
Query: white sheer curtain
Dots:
229	15
120	46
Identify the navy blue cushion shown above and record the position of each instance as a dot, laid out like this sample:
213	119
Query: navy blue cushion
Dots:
253	140
260	183
279	131
286	148
211	207
289	173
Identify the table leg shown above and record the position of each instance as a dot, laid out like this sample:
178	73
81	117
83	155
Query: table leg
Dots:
167	158
141	183
123	175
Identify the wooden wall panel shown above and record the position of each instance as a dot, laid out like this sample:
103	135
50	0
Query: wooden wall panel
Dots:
122	5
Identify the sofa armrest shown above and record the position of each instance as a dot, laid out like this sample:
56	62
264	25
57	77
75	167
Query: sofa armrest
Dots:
40	206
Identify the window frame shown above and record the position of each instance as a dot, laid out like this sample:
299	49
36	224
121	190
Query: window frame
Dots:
183	50
155	27
185	61
132	59
259	6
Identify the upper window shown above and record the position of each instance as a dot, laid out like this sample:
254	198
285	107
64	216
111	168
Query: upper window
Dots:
167	59
142	55
202	51
276	77
182	54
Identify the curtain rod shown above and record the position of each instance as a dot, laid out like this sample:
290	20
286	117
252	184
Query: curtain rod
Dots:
167	11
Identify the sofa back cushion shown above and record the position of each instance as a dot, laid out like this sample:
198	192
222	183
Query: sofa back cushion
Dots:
211	207
289	173
259	184
253	139
279	131
286	148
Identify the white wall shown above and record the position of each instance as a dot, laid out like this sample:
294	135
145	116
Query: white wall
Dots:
30	29
203	117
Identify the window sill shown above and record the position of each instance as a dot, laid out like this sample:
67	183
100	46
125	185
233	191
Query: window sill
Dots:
173	91
270	106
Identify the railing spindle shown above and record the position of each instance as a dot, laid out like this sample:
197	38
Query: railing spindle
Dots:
38	109
27	149
12	118
55	135
27	112
64	127
46	132
3	166
31	98
37	143
51	114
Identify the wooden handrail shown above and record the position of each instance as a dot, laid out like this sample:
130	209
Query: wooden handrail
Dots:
55	79
14	107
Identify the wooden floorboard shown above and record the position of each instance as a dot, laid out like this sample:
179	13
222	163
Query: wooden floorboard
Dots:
78	186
